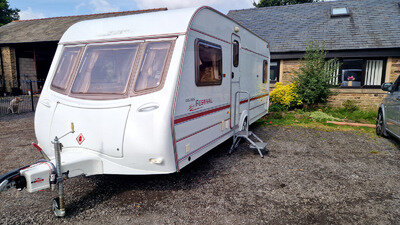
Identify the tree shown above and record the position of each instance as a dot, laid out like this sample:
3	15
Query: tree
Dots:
6	13
315	75
266	3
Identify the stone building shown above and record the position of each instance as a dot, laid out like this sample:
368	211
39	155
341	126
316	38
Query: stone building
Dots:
364	35
27	48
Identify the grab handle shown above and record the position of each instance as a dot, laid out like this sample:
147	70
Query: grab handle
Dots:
148	107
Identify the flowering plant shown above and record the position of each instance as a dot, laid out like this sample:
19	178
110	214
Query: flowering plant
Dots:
350	78
286	95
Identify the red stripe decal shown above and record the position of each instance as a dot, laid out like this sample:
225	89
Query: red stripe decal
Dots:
254	98
203	146
197	132
257	106
183	119
255	52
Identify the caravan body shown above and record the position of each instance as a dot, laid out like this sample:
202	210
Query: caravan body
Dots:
150	93
144	94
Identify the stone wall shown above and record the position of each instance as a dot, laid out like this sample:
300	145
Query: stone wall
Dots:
364	98
9	67
392	69
286	70
27	71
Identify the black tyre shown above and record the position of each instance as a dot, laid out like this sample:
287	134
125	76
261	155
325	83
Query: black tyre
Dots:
380	125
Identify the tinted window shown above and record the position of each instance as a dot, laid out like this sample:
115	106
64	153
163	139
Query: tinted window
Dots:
152	67
274	72
352	71
208	63
105	69
235	53
68	61
265	71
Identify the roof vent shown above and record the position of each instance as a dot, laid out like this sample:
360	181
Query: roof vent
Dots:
340	11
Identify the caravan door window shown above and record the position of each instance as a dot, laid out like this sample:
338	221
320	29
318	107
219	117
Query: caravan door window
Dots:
152	68
208	58
68	61
265	71
105	69
235	53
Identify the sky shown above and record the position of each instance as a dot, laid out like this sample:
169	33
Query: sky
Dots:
34	9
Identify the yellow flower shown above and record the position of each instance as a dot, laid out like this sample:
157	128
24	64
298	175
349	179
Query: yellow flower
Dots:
285	95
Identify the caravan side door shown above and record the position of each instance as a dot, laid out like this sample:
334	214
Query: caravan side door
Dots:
235	79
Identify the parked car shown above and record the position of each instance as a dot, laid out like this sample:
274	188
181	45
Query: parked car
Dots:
389	112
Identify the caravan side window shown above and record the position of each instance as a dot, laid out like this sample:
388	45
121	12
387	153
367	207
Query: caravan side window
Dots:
208	57
265	71
67	63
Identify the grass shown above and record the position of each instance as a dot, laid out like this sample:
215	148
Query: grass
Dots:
317	118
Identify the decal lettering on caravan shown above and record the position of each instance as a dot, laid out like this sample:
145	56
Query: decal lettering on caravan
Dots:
200	104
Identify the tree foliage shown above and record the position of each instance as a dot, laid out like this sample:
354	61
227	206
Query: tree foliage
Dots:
314	75
6	13
266	3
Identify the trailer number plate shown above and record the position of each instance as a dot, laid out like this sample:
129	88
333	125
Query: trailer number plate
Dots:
80	138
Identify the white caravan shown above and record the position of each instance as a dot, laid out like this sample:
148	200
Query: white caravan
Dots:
145	94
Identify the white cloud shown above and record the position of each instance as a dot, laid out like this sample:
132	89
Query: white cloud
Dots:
100	6
222	5
28	14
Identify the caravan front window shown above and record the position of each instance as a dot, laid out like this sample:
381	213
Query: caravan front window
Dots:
105	69
68	61
152	68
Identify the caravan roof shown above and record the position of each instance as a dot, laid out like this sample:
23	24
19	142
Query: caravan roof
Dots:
124	27
171	22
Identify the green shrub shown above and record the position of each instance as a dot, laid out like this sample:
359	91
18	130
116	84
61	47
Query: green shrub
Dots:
350	106
275	107
314	75
322	117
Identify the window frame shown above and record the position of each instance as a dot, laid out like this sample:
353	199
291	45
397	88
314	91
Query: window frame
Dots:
197	59
364	70
139	65
71	77
235	53
134	70
265	81
278	69
106	96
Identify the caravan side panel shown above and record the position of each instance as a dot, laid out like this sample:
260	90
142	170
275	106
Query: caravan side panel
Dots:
202	118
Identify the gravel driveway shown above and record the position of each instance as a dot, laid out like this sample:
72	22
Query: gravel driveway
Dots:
310	176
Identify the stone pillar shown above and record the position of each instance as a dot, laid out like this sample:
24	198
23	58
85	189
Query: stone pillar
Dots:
287	69
9	67
392	69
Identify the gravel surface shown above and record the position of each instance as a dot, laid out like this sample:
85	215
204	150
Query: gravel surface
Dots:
310	176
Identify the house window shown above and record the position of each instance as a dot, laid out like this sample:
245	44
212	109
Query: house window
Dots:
274	71
373	72
235	53
352	71
208	63
361	72
343	11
